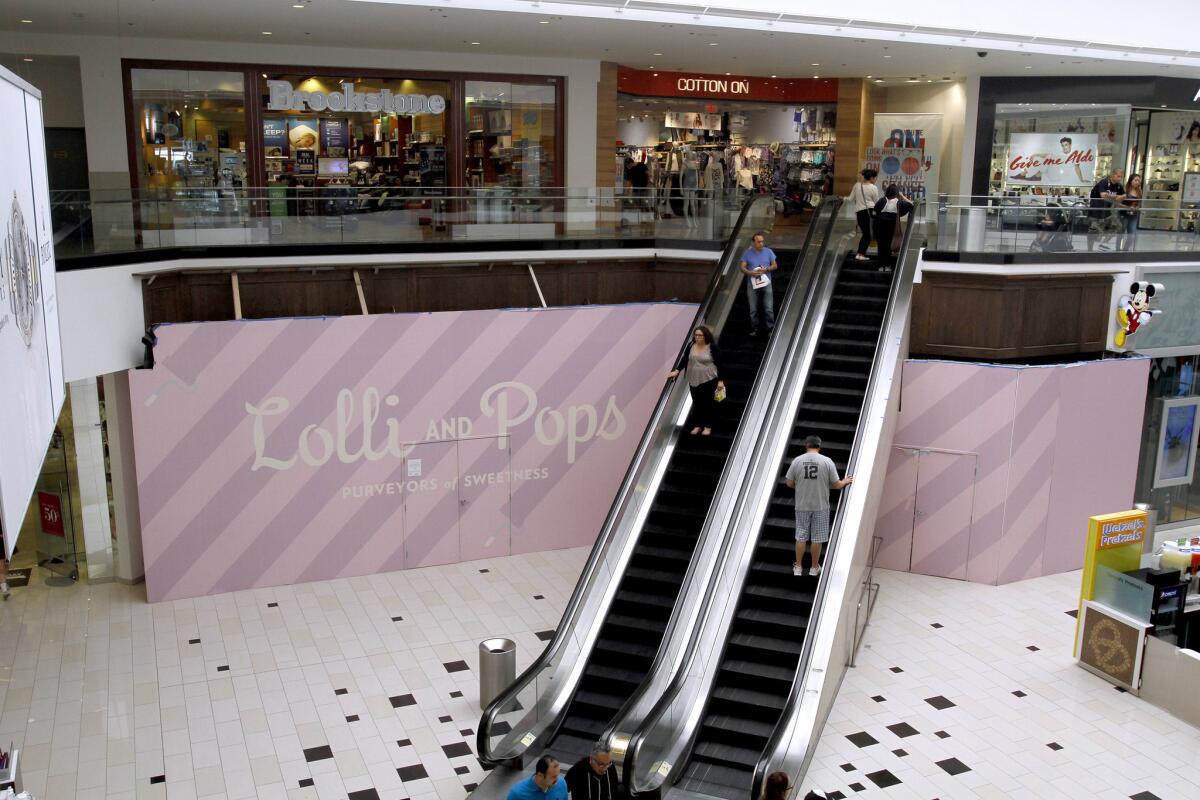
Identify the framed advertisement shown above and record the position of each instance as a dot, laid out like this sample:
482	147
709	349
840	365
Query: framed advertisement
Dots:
1052	159
1175	457
1111	645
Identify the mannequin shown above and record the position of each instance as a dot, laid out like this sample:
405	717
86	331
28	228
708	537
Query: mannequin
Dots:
689	183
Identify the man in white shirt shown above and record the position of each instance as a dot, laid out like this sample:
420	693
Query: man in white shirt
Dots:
812	475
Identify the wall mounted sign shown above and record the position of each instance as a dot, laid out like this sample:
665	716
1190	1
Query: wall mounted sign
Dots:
1052	159
648	83
692	120
283	97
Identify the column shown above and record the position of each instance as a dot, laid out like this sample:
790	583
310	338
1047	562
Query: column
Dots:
130	567
93	480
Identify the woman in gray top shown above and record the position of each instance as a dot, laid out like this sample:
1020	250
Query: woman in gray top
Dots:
702	362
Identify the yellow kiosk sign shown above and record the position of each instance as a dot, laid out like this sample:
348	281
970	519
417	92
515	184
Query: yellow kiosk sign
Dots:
1114	541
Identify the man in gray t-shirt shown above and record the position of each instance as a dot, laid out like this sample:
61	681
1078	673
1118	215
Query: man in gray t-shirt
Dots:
812	475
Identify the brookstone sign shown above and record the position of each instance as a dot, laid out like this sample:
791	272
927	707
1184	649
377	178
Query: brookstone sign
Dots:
284	98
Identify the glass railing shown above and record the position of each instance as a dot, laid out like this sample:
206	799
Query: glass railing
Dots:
90	223
523	718
658	751
1053	226
834	626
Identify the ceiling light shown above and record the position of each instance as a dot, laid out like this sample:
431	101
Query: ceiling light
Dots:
266	33
879	80
816	76
27	21
814	65
297	5
728	73
774	76
543	22
30	59
656	54
713	44
475	44
868	77
1029	67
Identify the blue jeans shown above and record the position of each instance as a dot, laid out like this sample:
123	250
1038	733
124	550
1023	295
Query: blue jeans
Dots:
764	297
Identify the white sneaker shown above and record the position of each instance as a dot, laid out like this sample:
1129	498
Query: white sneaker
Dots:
815	571
797	569
860	257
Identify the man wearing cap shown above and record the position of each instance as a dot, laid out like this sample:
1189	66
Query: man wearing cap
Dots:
812	475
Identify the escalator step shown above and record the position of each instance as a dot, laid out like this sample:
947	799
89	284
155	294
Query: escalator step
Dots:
722	723
810	424
716	780
770	672
796	595
783	624
610	673
644	598
625	649
768	644
727	754
645	626
750	699
597	699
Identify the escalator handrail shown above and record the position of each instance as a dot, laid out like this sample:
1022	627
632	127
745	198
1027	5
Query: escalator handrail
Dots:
676	686
670	401
694	589
872	398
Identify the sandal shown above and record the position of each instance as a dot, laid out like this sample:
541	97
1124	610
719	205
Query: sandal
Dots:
694	431
706	432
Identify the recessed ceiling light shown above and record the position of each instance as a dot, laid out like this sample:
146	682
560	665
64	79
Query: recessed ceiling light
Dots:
475	43
655	74
27	21
774	76
1029	67
30	59
887	56
713	44
543	22
816	76
868	77
879	80
814	65
728	73
297	5
656	54
266	33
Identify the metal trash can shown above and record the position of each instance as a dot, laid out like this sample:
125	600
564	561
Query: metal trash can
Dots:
497	668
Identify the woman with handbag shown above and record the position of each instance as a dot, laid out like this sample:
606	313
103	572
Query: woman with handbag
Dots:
702	362
864	196
888	211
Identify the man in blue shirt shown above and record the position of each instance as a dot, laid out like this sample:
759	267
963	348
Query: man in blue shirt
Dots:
757	262
544	784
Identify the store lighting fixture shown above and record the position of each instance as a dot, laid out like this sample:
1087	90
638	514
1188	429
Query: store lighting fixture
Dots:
774	76
713	44
887	56
656	54
868	77
816	76
543	22
30	59
27	21
266	33
297	5
814	65
475	44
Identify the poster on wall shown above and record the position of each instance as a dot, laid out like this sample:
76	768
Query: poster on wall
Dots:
900	166
272	452
335	137
275	137
30	346
1191	188
1175	463
1052	159
914	132
306	162
302	133
693	120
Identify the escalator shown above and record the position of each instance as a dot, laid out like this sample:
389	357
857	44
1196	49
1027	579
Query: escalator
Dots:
633	630
766	636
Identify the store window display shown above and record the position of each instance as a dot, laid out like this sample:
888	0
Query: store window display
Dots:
1171	379
323	130
511	134
191	128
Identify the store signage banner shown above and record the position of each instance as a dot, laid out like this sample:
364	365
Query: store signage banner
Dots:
281	451
275	137
914	132
335	136
30	348
900	166
51	514
1114	541
282	97
693	120
1052	159
660	83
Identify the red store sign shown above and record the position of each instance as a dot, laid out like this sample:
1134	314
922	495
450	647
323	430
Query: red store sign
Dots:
51	512
649	83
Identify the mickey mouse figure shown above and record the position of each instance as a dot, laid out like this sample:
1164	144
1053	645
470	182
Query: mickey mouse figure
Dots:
1133	310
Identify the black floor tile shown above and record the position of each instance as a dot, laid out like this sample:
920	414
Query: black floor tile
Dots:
1019	693
352	718
318	753
467	732
341	691
1144	796
445	719
306	782
939	702
937	625
941	734
272	605
898	753
193	641
456	694
539	597
397	619
545	636
364	794
484	571
1033	648
159	779
224	668
413	773
903	730
862	739
500	728
1074	612
456	666
403	742
456	749
953	766
402	700
879	698
461	770
883	779
1055	746
897	670
858	787
470	787
835	796
847	767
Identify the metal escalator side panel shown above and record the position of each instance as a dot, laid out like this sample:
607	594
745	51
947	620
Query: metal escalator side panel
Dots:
524	715
832	632
660	746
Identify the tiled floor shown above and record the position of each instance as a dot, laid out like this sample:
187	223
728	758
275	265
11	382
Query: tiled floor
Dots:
360	688
366	688
970	691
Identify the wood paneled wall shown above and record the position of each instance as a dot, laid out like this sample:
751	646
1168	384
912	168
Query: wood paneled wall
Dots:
858	100
606	124
1000	318
206	296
